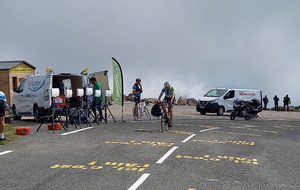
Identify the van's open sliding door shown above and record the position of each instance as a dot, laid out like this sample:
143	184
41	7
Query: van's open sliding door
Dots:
47	90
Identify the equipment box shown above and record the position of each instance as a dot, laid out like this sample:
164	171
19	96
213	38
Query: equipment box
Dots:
23	130
57	126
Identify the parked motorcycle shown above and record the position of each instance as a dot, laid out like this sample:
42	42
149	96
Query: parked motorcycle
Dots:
245	109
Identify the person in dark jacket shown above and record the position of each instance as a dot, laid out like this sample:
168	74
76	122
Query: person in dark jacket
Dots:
286	102
276	99
265	100
155	110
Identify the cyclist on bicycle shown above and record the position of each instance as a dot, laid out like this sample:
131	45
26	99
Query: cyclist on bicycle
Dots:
169	98
136	91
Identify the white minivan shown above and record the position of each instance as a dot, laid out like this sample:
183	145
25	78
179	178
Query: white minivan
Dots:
33	96
220	100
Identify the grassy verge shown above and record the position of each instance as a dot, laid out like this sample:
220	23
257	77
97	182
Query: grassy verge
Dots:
10	134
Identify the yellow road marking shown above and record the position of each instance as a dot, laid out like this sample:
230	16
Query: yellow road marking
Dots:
232	133
220	158
202	126
286	127
127	166
170	131
92	163
133	142
223	142
251	129
119	166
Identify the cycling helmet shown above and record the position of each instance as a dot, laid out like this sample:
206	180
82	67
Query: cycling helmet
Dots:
167	83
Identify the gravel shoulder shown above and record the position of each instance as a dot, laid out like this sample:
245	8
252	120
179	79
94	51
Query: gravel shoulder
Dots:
189	112
180	112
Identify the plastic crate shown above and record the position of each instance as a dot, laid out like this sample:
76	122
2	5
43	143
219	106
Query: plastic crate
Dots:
57	126
23	130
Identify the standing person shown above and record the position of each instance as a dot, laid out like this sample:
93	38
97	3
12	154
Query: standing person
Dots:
97	101
265	100
168	90
276	99
286	102
2	115
137	92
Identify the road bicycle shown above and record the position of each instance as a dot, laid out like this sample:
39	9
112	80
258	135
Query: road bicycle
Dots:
141	111
165	118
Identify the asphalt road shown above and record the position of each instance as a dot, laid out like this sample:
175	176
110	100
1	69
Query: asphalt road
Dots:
206	154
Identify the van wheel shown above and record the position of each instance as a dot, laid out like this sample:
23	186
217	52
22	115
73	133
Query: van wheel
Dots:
16	117
36	113
220	111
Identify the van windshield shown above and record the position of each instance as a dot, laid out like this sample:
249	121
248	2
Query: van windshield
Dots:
215	93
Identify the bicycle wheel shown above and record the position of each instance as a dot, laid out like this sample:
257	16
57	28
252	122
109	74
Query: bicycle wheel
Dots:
146	114
164	122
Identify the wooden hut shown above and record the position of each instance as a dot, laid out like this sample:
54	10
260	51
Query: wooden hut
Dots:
11	75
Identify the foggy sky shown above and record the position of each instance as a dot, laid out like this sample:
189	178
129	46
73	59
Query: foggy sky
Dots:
194	44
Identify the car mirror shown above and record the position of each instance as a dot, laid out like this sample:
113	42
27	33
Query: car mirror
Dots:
17	90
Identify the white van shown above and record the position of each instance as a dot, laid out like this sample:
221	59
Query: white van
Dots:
33	96
220	100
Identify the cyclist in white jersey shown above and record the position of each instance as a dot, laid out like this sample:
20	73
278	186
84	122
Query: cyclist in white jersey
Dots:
2	115
168	90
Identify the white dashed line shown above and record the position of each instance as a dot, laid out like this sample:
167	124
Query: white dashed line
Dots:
191	136
204	130
139	181
5	152
162	159
77	131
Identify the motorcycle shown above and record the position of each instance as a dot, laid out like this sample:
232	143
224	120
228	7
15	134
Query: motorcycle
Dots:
245	109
